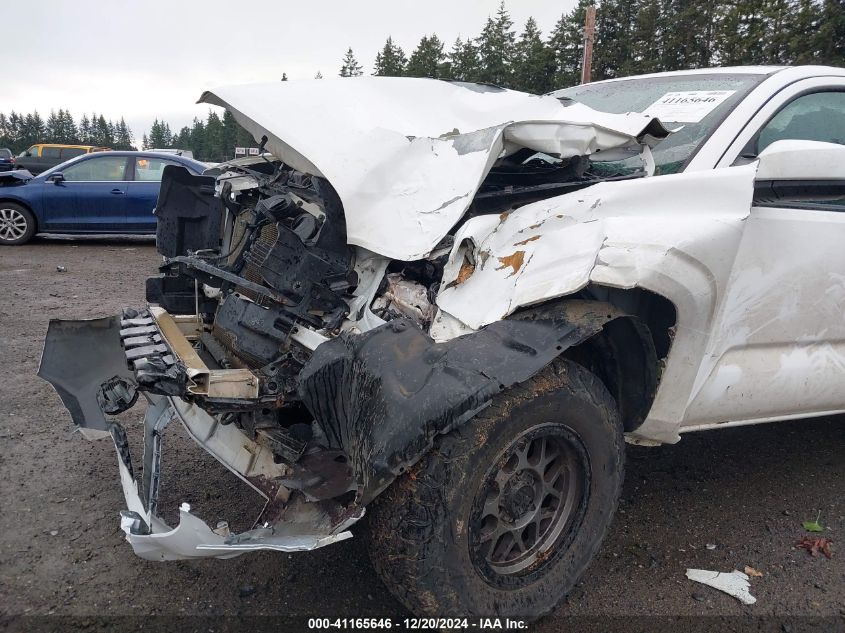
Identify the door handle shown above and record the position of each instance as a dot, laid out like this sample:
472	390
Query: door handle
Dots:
117	191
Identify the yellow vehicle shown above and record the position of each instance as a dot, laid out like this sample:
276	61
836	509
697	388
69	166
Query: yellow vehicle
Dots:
42	156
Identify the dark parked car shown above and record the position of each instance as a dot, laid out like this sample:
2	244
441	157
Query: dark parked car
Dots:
103	192
7	160
42	156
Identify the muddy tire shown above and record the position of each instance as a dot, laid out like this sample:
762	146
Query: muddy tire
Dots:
17	224
503	516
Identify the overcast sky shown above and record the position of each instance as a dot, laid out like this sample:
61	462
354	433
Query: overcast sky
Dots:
146	59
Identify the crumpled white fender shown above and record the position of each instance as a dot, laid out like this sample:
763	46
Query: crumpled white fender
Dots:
406	155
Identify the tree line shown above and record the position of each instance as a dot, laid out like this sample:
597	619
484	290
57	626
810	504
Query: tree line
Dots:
632	37
19	131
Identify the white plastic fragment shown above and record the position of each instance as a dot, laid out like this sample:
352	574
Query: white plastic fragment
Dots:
733	583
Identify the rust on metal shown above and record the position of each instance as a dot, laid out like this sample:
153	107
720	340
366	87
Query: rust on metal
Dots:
526	240
514	261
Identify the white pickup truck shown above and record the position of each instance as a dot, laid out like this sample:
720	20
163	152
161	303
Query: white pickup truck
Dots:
449	305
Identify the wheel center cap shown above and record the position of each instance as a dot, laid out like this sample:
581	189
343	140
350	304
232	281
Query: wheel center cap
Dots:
518	498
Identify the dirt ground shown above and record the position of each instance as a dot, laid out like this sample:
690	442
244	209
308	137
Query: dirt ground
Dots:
718	500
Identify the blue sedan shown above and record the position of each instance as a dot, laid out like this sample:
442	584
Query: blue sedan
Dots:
104	192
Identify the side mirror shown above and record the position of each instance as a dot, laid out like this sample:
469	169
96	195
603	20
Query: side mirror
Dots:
56	177
802	160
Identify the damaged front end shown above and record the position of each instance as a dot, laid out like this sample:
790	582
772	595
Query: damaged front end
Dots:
291	334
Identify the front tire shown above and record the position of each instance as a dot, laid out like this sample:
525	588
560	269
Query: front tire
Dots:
17	224
503	516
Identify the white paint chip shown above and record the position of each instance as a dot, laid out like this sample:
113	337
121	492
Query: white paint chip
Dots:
733	583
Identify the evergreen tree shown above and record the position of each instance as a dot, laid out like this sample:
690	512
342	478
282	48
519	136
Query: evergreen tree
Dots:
613	49
534	62
648	38
390	61
85	130
567	44
52	132
464	64
496	49
350	67
428	59
215	140
123	136
830	38
230	134
71	134
198	144
145	142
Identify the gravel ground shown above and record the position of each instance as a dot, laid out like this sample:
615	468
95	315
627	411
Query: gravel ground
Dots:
744	491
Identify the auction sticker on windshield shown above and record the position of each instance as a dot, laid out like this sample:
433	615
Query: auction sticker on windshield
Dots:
687	106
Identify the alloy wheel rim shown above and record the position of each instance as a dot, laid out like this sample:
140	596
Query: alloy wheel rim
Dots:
530	502
13	224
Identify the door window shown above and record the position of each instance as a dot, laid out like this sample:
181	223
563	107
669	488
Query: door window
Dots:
50	152
70	152
819	116
101	168
32	151
150	169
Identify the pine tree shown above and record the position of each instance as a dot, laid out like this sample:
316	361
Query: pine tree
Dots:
830	38
613	50
496	49
39	130
464	64
567	44
534	62
230	134
85	130
350	67
145	142
215	140
648	38
740	33
52	132
390	61
428	58
123	138
687	47
69	127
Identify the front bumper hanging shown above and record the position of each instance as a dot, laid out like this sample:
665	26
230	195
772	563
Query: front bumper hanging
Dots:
88	363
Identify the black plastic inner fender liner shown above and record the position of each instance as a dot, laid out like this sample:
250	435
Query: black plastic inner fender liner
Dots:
78	357
188	213
384	395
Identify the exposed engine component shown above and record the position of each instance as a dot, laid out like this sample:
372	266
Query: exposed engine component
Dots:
404	298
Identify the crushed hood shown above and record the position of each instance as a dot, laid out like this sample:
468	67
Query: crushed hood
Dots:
406	156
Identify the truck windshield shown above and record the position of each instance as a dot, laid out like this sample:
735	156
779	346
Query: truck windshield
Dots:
696	104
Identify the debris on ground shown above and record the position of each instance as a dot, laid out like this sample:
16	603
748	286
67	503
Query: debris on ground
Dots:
246	591
753	573
733	583
61	269
813	526
816	544
710	546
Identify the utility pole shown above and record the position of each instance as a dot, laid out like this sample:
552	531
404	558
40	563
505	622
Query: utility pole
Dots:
589	36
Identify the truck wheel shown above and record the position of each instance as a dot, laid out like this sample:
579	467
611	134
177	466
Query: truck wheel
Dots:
17	224
503	515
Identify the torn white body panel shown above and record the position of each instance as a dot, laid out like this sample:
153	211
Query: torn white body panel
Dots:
735	583
407	155
674	235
